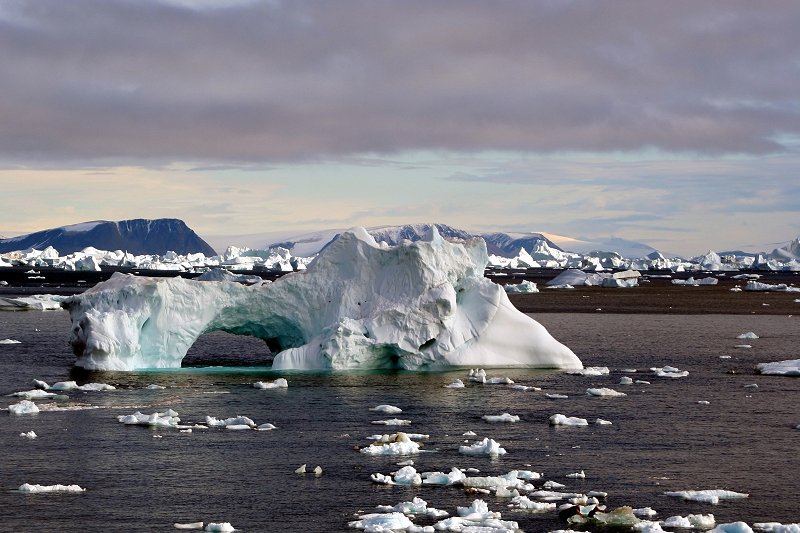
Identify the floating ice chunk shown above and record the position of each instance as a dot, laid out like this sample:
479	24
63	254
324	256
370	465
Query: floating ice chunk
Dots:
499	381
790	367
604	392
469	434
224	527
188	525
64	386
751	386
505	417
577	475
759	286
484	447
417	506
477	375
524	387
669	372
733	527
712	496
401	444
317	470
169	418
233	421
10	341
29	435
279	383
382	522
642	382
39	384
407	462
695	282
407	476
266	427
392	422
553	485
96	387
457	384
704	402
523	502
601	422
777	527
646	512
386	409
238	427
748	335
625	380
556	396
743	346
160	387
526	287
562	420
646	526
589	371
25	407
692	521
39	489
35	394
301	470
393	437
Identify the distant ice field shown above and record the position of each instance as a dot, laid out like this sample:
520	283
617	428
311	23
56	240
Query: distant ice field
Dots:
661	438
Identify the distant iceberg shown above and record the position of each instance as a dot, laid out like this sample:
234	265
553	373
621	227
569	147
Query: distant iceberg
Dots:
417	306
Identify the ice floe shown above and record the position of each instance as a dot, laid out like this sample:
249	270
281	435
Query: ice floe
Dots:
732	527
604	391
397	444
29	435
224	527
43	489
695	282
483	447
712	496
386	409
758	286
526	287
188	525
416	306
25	407
748	335
669	372
692	521
777	527
168	418
392	422
457	384
562	420
406	475
279	383
417	506
790	367
590	371
505	417
454	477
10	341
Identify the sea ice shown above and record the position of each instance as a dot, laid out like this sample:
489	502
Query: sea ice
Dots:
562	420
578	475
556	396
386	409
232	421
422	305
155	387
526	287
266	427
692	521
392	422
712	496
457	384
405	476
189	525
604	392
39	489
625	380
695	282
743	346
279	383
484	447
25	407
29	435
748	335
417	506
505	417
72	385
10	341
35	394
790	367
523	502
168	418
601	422
646	512
669	372
589	371
224	527
777	527
382	522
733	527
758	286
400	444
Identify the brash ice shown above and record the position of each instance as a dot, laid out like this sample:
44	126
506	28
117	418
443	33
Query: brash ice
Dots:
422	305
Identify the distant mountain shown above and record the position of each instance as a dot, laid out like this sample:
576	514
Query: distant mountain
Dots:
138	236
509	244
624	247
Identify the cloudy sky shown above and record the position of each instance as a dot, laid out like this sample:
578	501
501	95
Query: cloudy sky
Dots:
673	123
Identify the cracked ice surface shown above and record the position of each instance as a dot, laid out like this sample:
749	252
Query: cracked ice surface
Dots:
415	306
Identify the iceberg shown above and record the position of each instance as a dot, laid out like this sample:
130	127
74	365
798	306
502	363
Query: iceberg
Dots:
422	305
790	367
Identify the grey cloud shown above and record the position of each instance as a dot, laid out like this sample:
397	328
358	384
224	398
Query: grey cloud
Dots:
262	81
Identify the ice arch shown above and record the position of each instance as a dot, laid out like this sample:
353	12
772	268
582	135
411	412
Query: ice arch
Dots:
421	305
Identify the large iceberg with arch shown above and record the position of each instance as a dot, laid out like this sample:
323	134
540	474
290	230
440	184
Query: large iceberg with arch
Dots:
422	305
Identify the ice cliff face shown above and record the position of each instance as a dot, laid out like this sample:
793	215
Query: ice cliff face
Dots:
417	306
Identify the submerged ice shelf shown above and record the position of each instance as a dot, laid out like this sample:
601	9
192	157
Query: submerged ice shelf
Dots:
360	305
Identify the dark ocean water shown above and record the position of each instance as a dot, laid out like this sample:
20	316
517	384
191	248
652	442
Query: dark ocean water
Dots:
661	439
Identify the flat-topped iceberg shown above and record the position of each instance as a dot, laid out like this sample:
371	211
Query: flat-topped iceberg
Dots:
415	306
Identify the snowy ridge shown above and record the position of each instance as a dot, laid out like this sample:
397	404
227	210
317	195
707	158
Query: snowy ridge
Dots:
416	306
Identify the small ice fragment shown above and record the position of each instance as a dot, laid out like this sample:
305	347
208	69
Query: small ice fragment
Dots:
712	496
386	409
555	396
266	427
279	383
301	470
625	380
589	371
743	346
39	384
398	444
392	422
29	435
457	384
642	382
25	407
318	471
553	485
159	387
751	386
748	335
9	341
777	527
604	391
628	370
733	527
469	434
577	475
669	372
407	462
703	402
646	512
382	522
191	525
477	375
484	447
601	422
500	381
238	427
561	420
724	356
505	417
225	527
187	430
35	394
64	385
38	489
790	367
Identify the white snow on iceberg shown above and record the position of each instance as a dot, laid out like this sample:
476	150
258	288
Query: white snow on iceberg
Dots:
789	367
416	306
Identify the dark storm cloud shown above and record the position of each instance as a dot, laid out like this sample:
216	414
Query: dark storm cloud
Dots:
256	81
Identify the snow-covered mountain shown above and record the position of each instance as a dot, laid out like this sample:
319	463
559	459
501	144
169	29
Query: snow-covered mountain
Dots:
509	244
138	236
